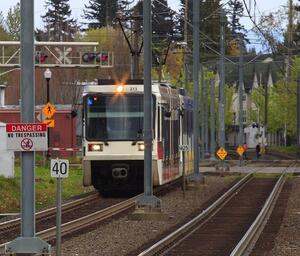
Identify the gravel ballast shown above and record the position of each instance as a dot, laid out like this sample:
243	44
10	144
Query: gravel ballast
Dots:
122	236
287	242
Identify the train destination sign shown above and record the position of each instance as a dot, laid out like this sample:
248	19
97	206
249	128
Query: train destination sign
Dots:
27	137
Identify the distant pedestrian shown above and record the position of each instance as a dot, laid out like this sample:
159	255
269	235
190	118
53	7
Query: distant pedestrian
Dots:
257	150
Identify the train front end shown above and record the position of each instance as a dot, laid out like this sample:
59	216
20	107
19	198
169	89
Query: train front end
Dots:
113	146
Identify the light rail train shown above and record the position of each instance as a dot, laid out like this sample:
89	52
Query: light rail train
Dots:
113	146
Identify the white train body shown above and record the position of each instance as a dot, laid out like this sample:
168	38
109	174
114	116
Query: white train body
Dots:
113	135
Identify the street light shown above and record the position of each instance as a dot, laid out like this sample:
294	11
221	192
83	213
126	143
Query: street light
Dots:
47	76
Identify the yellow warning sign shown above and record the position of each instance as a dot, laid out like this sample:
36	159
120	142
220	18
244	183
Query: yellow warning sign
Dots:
240	150
48	110
49	122
222	153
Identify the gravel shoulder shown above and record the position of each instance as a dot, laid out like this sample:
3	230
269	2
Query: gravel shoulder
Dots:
122	236
287	242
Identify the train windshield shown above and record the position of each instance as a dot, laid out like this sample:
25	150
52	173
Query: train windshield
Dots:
114	117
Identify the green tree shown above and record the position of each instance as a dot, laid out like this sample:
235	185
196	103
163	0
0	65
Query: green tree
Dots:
101	13
235	12
209	27
13	22
58	22
282	108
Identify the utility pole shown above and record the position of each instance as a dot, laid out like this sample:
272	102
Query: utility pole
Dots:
186	75
290	41
197	176
205	116
147	201
107	16
212	120
298	115
136	52
240	90
266	110
222	83
28	243
202	104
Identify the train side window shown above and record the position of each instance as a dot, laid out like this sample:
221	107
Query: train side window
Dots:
158	123
175	136
166	133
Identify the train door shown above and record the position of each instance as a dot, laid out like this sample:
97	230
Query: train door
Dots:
175	135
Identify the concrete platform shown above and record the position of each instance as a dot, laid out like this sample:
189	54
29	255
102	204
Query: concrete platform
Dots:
148	213
247	169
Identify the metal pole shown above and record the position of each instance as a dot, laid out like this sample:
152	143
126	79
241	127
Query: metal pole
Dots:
222	83
202	103
212	120
147	198
298	115
206	151
27	116
183	173
290	41
240	90
136	46
147	98
27	244
196	60
186	43
58	217
48	129
266	112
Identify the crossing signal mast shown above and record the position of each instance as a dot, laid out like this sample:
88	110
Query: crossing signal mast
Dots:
58	54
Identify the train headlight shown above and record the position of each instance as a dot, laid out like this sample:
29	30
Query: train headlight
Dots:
95	147
141	146
119	88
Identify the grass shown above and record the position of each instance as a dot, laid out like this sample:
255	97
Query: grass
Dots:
45	187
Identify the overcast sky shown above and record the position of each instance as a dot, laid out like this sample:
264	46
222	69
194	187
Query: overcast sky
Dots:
78	5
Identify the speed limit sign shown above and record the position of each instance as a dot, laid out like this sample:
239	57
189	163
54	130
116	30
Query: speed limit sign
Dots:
59	168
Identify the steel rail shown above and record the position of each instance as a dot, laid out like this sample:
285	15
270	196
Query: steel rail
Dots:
200	218
256	228
206	214
104	214
51	211
88	220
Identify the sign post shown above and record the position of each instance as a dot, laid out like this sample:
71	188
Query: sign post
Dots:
27	243
240	150
59	169
222	153
183	148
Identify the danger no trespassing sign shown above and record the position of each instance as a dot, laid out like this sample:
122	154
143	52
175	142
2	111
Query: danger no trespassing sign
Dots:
27	137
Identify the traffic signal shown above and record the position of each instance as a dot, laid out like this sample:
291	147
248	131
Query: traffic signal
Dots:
104	56
89	57
100	57
40	57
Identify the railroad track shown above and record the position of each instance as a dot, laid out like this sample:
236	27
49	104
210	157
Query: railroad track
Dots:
228	227
46	219
47	232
